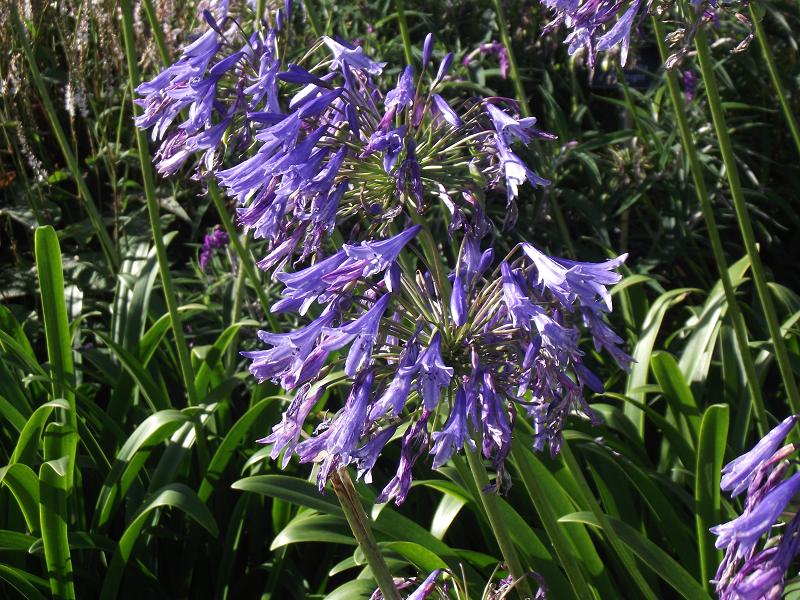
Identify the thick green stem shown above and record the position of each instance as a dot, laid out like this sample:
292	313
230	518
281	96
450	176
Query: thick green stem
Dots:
743	218
775	78
516	80
690	150
148	182
245	258
110	252
359	524
403	24
501	533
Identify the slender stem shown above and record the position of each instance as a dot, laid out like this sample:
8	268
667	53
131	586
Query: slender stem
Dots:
148	182
501	533
403	24
776	80
245	258
110	252
522	98
743	218
435	262
690	150
519	90
588	496
549	520
155	29
313	18
359	524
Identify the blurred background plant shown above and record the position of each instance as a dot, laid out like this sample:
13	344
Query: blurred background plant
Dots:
171	498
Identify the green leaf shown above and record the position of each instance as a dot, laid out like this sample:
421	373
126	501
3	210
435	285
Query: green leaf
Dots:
422	558
151	391
175	495
446	511
131	458
25	583
53	522
699	350
644	348
30	436
292	489
54	311
676	390
24	485
573	547
229	446
314	527
214	354
358	589
649	553
710	454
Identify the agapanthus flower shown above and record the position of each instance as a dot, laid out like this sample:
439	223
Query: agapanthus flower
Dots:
455	379
442	360
747	571
303	150
215	240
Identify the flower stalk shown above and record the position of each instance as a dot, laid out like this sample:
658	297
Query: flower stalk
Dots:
690	150
148	182
775	78
743	219
359	525
489	502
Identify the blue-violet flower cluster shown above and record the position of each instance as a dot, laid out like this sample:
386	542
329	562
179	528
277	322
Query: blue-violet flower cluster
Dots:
442	358
750	571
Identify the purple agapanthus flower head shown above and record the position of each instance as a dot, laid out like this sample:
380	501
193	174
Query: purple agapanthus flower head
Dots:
737	474
746	571
215	240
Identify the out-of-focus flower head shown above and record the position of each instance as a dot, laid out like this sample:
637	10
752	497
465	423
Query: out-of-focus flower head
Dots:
748	569
215	240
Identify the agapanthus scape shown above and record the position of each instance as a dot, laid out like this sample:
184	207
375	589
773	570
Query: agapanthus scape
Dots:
750	570
314	154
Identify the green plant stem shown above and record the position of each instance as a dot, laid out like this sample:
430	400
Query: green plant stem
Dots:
501	533
403	24
743	218
245	258
158	33
148	182
619	547
359	524
519	90
109	251
690	150
313	18
524	107
763	43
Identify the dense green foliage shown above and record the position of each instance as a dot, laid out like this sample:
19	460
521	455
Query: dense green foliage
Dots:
119	480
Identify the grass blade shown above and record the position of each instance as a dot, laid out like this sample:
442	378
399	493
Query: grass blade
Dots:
710	454
654	557
175	495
